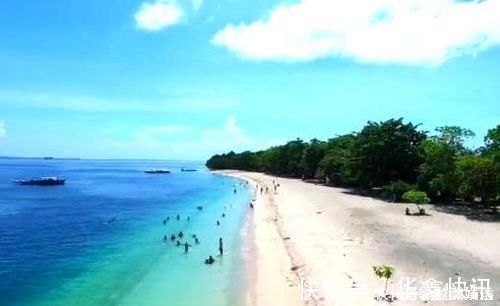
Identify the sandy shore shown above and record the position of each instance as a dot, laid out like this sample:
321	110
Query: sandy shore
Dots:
331	239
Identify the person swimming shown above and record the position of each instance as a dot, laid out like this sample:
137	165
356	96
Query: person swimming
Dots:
165	238
218	223
196	240
188	218
181	234
210	260
223	215
172	237
178	243
178	217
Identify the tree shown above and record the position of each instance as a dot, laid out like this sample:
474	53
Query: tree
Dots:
386	273
416	197
454	137
388	151
311	157
337	164
477	178
437	172
492	140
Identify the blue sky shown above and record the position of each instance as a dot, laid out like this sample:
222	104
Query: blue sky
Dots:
185	79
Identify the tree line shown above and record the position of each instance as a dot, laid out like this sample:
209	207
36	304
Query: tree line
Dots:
392	156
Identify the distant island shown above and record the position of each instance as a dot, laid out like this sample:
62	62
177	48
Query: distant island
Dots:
399	159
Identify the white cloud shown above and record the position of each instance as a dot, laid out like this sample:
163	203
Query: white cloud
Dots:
3	132
415	32
228	137
158	15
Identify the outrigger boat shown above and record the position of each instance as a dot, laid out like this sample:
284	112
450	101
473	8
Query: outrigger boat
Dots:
156	171
42	181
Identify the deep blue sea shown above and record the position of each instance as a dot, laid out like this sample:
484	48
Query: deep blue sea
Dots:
98	240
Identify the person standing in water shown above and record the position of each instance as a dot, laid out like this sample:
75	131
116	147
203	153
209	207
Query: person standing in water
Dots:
221	247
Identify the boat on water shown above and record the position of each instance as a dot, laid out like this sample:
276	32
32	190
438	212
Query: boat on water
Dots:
188	170
42	181
157	171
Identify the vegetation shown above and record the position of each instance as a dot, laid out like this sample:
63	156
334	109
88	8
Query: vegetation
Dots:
398	157
416	197
386	273
396	190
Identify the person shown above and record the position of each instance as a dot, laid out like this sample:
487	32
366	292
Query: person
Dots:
223	215
178	243
221	247
165	238
181	234
188	218
172	237
196	240
164	221
186	247
234	190
210	260
178	217
218	223
251	205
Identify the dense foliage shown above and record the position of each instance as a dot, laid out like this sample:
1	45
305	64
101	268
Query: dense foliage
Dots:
395	155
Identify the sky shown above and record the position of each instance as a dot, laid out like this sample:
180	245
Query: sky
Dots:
184	79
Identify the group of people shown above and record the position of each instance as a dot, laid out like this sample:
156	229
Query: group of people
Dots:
180	235
265	189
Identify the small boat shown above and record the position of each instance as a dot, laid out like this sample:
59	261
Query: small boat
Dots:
42	181
157	171
188	170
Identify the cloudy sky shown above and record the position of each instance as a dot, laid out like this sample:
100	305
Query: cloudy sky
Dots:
184	79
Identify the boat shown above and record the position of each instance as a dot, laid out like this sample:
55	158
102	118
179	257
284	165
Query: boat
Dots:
157	171
188	170
42	181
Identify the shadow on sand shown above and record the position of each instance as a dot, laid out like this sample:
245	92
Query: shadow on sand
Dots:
473	212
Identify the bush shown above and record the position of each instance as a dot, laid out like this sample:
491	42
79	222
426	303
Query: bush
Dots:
395	190
415	196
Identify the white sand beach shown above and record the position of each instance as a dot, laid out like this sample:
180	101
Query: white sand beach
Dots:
332	238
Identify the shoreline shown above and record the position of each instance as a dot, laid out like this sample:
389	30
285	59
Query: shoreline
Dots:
335	237
270	279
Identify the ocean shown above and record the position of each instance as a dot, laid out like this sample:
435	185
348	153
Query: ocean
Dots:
98	240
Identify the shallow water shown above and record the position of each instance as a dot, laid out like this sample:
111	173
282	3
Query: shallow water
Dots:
98	240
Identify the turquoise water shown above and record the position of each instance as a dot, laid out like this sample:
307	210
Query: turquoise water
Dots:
98	240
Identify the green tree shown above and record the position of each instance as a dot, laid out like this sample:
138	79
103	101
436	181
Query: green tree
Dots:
454	137
492	140
337	165
477	177
388	151
437	172
311	157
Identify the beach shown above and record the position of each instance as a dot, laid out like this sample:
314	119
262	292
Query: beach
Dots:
316	245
